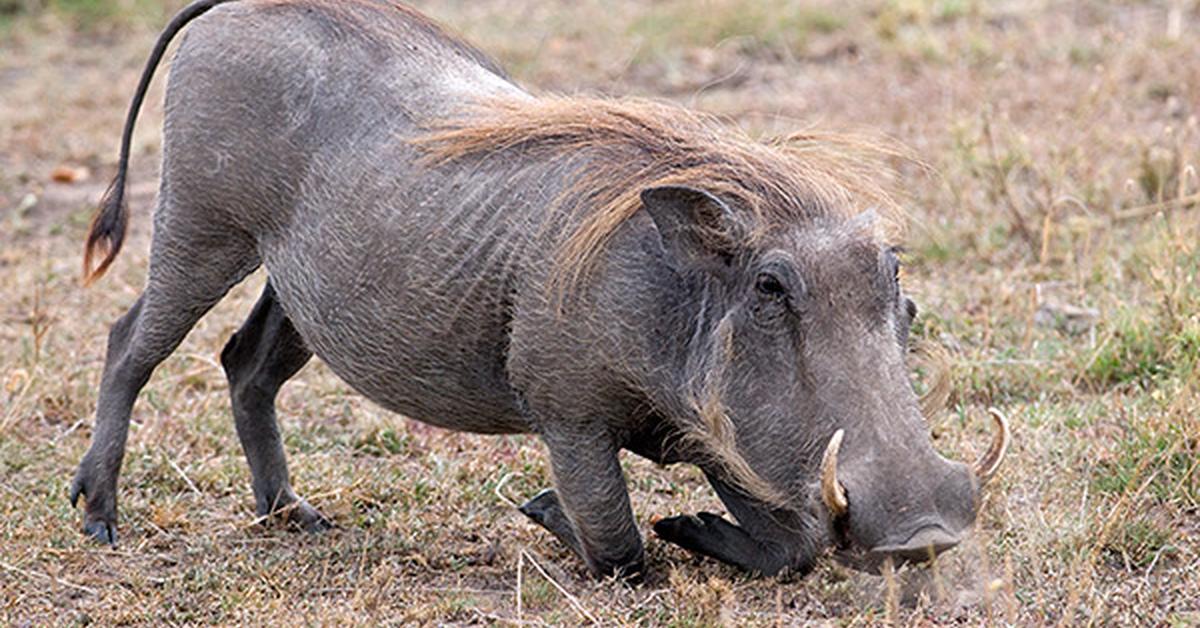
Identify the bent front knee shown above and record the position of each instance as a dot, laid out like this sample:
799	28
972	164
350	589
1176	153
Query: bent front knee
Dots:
626	563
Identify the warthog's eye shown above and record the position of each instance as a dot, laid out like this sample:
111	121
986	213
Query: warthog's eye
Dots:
769	285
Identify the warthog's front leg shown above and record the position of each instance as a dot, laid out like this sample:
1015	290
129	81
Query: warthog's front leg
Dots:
590	509
766	542
710	535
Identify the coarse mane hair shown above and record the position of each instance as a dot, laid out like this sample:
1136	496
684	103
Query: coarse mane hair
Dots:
635	144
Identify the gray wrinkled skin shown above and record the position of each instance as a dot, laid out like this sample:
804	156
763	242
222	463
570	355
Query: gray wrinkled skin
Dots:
425	288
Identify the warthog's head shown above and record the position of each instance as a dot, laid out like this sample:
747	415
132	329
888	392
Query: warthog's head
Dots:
799	368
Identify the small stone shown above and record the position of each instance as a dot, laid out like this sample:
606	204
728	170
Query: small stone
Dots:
16	381
70	174
1069	319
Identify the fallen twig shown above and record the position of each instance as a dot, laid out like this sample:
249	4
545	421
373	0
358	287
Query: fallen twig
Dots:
498	491
42	576
1020	227
186	479
574	601
520	571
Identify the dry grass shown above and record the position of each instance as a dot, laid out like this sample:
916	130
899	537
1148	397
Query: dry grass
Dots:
1066	139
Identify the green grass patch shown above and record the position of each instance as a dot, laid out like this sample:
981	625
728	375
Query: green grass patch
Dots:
756	26
383	441
1135	352
91	14
1138	543
1145	344
1160	452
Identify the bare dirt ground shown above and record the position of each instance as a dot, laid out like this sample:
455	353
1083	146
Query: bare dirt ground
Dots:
1054	254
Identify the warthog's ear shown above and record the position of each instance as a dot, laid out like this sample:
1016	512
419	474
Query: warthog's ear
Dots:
696	227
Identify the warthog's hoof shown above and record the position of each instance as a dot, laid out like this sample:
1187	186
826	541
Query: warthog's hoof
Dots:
103	531
100	514
302	515
543	507
682	530
711	535
545	510
293	511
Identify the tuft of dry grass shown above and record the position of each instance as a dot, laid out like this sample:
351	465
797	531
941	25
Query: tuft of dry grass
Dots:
1067	142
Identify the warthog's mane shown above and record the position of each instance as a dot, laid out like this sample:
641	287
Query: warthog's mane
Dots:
634	144
630	145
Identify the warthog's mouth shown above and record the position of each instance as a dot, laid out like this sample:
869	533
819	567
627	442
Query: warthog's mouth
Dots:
922	545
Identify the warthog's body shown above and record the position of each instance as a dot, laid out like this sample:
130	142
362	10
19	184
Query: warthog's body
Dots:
422	258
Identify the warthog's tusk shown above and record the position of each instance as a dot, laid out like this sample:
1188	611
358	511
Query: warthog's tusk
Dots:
986	466
832	492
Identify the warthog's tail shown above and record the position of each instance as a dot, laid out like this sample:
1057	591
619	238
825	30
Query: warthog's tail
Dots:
108	225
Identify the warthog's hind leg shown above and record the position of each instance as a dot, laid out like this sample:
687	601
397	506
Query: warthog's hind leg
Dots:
266	352
190	270
96	477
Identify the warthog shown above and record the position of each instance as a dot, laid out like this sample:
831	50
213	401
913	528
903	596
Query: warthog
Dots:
606	274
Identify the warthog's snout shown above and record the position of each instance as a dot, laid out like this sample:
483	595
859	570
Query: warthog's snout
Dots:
883	514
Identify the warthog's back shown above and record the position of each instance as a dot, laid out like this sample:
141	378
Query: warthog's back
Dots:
292	120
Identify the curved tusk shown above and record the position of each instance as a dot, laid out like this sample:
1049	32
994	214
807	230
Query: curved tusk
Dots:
832	492
986	466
